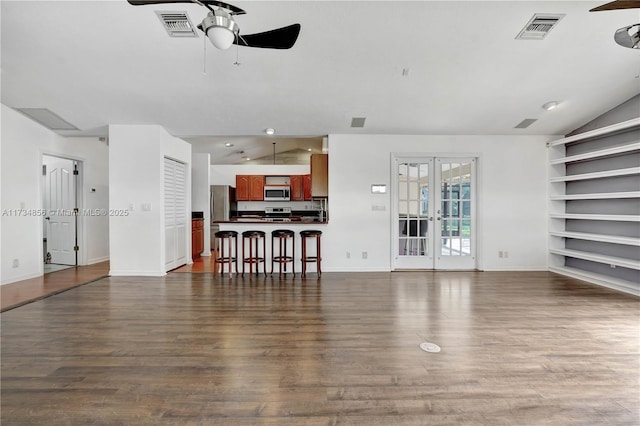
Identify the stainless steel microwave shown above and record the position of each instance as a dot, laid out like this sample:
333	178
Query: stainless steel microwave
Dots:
277	193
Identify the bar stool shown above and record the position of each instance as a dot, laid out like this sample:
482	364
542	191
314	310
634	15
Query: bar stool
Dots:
229	237
283	236
310	233
254	238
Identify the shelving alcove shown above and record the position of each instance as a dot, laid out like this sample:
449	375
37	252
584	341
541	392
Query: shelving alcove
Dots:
594	206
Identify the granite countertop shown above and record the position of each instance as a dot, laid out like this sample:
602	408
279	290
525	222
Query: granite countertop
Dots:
293	221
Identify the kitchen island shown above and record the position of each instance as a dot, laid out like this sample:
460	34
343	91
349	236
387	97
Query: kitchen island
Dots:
267	226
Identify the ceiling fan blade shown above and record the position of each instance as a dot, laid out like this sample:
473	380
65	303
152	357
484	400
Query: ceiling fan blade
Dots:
280	38
231	8
619	4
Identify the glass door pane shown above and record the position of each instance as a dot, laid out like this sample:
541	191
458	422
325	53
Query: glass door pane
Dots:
456	215
413	248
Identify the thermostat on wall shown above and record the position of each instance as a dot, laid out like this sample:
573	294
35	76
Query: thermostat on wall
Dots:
378	188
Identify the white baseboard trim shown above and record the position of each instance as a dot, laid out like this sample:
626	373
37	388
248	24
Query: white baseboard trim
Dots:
97	260
353	269
22	277
517	269
601	280
116	273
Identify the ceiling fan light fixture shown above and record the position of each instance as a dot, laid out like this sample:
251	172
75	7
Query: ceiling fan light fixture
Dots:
550	105
628	36
220	28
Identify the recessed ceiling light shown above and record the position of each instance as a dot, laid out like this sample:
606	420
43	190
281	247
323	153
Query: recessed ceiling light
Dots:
270	131
248	158
309	149
550	105
228	144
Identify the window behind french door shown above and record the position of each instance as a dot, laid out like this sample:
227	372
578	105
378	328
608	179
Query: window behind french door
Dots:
434	213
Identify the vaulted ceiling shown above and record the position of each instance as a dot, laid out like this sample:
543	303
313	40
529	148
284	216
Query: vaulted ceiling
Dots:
414	67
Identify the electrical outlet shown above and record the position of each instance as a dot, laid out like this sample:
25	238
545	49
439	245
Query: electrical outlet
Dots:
364	254
16	263
500	254
506	254
348	255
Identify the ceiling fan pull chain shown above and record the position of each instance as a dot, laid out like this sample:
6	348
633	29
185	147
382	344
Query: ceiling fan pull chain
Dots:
237	62
204	57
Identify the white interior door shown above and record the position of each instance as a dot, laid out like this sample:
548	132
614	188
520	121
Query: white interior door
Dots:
175	214
455	214
434	213
59	203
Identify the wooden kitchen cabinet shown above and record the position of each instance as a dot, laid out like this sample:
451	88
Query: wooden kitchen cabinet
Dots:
320	175
306	184
297	187
197	238
249	187
256	188
242	187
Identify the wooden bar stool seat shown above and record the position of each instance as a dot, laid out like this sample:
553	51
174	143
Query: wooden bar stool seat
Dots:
307	234
282	258
227	241
253	250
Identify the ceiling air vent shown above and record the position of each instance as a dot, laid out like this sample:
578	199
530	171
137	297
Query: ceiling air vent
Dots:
526	123
539	26
177	24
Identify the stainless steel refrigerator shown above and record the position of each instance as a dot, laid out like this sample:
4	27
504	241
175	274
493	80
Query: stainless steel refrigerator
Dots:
223	206
223	202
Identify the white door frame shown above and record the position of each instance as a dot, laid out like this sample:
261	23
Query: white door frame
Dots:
430	262
81	237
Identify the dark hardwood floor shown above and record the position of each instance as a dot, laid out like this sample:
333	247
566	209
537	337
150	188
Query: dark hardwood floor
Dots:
521	348
17	294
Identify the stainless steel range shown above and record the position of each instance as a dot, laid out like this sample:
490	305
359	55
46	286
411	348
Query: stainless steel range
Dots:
277	214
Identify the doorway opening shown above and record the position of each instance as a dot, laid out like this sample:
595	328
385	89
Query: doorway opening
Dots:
434	213
60	202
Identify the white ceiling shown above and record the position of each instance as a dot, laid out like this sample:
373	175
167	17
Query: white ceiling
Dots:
96	63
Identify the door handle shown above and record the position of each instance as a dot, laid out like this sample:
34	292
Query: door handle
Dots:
430	218
437	218
47	218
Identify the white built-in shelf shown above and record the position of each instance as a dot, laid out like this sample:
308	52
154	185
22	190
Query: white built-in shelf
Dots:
608	130
598	175
598	154
584	216
606	281
614	239
597	196
600	258
559	200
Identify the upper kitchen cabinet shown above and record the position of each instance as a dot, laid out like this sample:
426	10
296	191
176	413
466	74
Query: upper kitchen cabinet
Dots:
306	184
256	187
297	188
320	175
242	187
249	187
300	187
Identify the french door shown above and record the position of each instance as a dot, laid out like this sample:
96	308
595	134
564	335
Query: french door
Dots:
434	217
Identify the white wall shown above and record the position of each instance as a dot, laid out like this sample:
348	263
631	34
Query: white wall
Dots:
23	144
512	198
200	194
225	174
136	156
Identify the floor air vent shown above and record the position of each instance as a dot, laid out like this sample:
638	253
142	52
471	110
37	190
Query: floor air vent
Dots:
539	26
177	24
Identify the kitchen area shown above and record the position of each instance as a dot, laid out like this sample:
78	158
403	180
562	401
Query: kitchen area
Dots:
285	197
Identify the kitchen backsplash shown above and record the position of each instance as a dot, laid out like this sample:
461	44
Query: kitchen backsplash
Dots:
295	205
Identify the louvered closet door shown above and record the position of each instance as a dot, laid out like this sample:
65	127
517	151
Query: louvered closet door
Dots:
175	214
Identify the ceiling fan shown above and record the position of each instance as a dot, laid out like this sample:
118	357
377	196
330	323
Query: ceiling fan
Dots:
626	36
223	31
